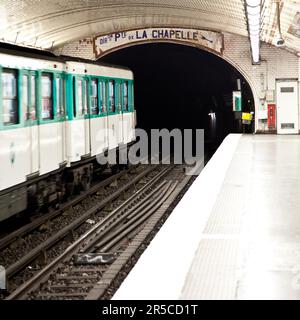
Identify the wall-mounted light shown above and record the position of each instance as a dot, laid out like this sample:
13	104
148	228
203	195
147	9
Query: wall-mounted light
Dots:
253	10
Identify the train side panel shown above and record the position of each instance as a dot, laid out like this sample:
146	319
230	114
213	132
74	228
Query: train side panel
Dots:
128	127
15	159
99	135
51	142
113	131
76	143
15	156
34	149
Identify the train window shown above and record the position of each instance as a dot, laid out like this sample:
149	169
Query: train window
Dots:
94	97
47	102
29	97
74	96
32	110
112	96
10	97
60	97
25	96
119	96
103	96
132	97
125	95
80	97
85	97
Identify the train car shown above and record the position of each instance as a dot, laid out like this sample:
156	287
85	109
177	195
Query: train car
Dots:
103	109
56	116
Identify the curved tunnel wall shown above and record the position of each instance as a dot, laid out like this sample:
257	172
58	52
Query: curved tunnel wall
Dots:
276	63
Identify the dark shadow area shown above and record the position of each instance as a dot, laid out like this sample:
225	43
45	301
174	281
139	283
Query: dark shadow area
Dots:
184	87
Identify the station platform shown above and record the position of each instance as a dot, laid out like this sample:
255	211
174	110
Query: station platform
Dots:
236	232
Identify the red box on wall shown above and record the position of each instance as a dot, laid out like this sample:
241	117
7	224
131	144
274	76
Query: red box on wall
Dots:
272	116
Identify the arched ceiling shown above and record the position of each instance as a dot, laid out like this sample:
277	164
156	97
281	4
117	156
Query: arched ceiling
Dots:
44	22
53	23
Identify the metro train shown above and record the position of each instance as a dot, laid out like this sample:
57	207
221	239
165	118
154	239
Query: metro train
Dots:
56	116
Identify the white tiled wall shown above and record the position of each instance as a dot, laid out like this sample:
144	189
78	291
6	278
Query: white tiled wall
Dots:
276	63
78	49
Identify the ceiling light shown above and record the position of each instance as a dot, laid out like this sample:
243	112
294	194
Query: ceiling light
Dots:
253	10
253	3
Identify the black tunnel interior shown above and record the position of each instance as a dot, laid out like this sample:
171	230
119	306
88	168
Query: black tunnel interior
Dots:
184	87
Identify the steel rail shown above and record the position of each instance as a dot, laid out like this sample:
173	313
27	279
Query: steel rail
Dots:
101	232
141	217
7	240
43	247
42	274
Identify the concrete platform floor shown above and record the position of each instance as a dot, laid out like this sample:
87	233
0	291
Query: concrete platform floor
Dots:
236	232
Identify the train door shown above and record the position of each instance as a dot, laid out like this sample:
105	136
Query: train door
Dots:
104	113
120	111
113	117
59	112
29	107
78	120
88	119
131	109
86	114
51	122
129	119
81	126
98	117
287	106
126	113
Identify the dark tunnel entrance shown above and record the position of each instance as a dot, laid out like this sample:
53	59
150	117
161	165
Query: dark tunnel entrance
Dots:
179	86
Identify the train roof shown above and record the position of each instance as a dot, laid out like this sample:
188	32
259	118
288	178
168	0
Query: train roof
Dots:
32	53
98	70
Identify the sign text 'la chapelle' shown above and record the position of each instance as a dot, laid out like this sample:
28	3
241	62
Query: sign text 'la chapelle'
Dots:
106	43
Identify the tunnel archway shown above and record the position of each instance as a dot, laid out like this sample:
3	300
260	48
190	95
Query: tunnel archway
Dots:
180	86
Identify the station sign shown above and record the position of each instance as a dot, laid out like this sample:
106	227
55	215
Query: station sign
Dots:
237	100
247	117
104	44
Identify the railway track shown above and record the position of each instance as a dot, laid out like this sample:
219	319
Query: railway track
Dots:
46	218
86	268
30	248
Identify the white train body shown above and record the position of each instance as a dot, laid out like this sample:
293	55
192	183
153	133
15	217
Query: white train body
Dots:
54	115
